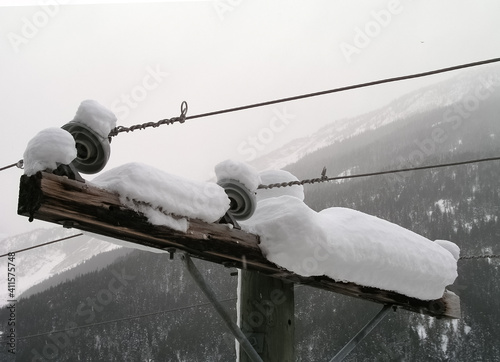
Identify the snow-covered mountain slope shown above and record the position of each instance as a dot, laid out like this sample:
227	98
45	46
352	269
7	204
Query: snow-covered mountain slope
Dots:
467	86
34	266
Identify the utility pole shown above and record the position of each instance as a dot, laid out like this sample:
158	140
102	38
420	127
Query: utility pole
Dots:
267	316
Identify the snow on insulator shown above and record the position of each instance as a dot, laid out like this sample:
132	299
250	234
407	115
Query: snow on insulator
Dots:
240	181
238	171
95	116
49	148
90	128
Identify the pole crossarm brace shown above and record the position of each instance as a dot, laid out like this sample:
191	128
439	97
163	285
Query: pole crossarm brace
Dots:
348	348
226	318
57	199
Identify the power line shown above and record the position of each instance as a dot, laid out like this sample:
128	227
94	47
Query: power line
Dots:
324	178
490	256
126	318
40	245
180	119
19	164
346	88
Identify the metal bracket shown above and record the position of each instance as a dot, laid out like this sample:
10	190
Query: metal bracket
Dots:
171	252
69	171
229	219
361	334
209	293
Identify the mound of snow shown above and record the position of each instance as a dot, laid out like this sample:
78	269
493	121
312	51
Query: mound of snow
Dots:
47	149
160	195
350	246
96	117
451	247
238	171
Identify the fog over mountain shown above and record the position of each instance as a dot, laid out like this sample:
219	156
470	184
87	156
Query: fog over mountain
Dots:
467	86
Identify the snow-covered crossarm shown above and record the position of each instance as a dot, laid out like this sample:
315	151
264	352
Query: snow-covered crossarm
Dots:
348	245
57	199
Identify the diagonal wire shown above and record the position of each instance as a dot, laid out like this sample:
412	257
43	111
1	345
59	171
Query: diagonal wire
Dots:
44	244
18	164
139	316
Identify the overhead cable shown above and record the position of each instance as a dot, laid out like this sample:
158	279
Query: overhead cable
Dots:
324	178
19	164
40	245
346	88
139	316
488	256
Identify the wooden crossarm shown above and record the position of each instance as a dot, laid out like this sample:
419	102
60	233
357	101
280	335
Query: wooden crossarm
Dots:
71	203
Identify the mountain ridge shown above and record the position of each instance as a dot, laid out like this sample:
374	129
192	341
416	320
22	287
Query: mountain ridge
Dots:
41	264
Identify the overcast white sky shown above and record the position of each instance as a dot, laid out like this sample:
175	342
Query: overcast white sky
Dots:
143	59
